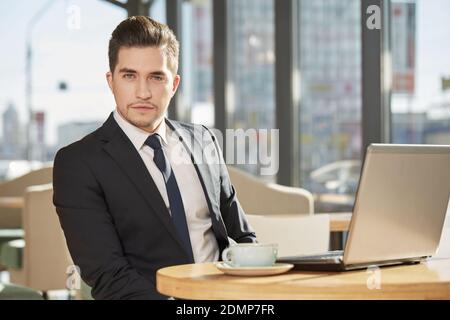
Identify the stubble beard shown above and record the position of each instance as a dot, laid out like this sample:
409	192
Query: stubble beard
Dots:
146	124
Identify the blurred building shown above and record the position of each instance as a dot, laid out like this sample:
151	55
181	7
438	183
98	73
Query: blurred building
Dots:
251	71
251	65
431	127
437	132
403	20
38	150
74	131
409	127
13	139
197	104
329	53
202	40
437	128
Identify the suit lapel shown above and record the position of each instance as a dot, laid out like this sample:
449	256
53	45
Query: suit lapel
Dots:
120	148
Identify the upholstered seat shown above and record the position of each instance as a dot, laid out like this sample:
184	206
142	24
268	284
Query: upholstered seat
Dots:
259	197
11	217
41	260
11	254
15	292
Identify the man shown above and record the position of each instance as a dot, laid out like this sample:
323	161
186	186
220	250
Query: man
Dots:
132	196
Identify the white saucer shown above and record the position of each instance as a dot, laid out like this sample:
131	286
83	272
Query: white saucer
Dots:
277	268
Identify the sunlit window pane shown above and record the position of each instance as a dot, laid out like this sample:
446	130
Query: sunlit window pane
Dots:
329	50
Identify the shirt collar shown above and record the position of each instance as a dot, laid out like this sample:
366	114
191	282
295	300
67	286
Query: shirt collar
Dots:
137	135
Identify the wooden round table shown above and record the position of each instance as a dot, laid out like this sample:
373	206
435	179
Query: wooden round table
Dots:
427	280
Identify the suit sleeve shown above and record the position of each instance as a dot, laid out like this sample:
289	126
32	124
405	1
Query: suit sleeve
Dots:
233	215
91	237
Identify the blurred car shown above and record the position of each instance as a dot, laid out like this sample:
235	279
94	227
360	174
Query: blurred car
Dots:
340	177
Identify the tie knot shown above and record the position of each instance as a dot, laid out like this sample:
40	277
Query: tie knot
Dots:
154	141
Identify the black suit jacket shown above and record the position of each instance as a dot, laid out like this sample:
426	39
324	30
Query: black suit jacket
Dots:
116	224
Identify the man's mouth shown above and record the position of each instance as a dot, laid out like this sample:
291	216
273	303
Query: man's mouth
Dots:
143	107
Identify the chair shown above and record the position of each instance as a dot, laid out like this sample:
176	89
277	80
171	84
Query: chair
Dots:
13	292
295	234
7	235
11	217
39	261
261	198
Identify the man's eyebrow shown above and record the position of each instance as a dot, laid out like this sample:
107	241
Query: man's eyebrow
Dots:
155	73
127	70
158	73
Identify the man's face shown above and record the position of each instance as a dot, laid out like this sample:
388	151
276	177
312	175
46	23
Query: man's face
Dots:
142	85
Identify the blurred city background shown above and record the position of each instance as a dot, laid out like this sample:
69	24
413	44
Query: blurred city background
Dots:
53	61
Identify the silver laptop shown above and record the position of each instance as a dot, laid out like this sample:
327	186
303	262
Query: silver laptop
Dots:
399	210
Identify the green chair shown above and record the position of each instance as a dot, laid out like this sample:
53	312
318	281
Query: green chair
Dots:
85	292
11	254
14	292
7	235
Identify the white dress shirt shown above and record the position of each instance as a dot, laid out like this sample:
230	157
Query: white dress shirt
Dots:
203	241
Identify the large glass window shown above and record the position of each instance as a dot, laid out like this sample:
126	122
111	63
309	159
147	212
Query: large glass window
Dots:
196	91
421	71
158	11
68	59
251	61
329	57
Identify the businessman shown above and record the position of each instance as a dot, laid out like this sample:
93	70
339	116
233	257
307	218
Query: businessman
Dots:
134	196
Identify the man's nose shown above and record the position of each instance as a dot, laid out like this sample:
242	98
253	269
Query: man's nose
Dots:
143	90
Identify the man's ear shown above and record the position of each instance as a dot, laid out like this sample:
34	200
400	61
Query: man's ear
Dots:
109	78
175	83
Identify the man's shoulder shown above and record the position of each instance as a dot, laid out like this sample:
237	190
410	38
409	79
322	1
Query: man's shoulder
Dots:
81	148
186	125
191	128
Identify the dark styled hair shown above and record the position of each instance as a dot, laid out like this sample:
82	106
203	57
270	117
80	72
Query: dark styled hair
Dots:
142	31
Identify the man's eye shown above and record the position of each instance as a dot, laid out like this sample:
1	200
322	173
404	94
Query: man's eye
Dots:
128	76
158	78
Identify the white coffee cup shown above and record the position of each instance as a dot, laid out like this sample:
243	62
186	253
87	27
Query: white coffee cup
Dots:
250	255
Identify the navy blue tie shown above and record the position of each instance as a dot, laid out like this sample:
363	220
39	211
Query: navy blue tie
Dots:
173	192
